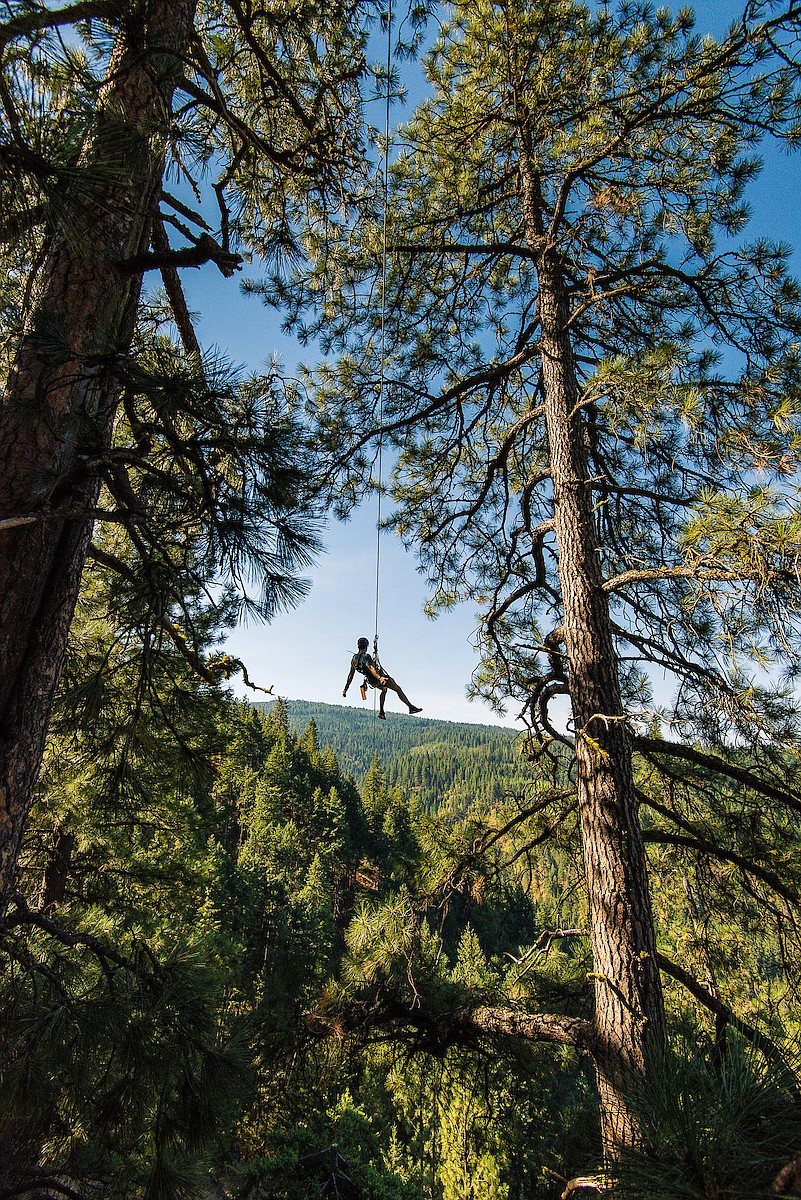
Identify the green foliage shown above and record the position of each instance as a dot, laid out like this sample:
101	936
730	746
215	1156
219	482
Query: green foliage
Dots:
445	764
333	941
592	392
115	1069
725	877
715	1125
213	466
223	958
637	137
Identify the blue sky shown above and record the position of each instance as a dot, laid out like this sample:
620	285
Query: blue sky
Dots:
305	654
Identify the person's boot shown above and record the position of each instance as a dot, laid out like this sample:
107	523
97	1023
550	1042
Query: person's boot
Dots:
412	709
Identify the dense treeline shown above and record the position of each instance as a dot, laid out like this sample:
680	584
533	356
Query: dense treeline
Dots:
189	1015
264	963
441	763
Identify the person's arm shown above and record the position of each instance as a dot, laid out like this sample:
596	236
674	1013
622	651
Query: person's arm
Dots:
349	680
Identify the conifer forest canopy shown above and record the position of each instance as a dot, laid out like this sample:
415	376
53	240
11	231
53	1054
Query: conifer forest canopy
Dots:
234	962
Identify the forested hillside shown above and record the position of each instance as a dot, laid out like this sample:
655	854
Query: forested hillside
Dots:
292	936
247	954
241	967
443	764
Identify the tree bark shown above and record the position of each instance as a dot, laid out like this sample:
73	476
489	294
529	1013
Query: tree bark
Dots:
57	870
629	1013
532	1027
58	407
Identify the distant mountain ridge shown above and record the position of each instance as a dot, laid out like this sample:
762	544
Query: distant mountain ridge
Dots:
448	764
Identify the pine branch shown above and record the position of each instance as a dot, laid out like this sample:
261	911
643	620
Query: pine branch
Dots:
265	61
691	841
788	1179
175	294
541	949
184	210
16	522
499	248
22	223
531	1027
41	1184
36	20
713	762
461	1026
295	160
211	671
717	1006
700	574
492	374
23	915
495	835
543	836
204	250
588	1183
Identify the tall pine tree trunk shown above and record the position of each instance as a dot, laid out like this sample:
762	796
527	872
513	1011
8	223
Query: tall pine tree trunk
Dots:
629	1014
58	408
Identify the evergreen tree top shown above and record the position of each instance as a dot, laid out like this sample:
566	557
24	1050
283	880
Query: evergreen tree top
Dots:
597	157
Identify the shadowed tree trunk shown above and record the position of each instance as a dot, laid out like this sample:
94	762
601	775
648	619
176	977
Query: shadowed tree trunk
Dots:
57	870
58	408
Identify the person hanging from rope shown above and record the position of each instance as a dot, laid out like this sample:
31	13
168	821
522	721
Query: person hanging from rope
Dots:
375	677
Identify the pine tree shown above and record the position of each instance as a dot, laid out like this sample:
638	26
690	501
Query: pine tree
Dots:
375	799
279	718
100	103
136	955
309	741
593	393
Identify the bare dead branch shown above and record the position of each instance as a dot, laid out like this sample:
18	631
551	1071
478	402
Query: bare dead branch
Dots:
175	294
204	251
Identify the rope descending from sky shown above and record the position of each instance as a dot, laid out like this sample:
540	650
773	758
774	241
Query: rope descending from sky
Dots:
382	363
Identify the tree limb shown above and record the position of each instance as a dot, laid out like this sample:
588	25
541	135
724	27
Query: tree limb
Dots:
463	248
27	23
438	1030
205	250
713	762
184	210
761	1041
531	1027
702	574
788	1179
23	915
175	293
662	837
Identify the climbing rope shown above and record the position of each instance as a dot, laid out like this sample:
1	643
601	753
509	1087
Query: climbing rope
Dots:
382	359
382	363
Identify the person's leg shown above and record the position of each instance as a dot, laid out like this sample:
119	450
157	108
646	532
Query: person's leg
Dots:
381	698
397	688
